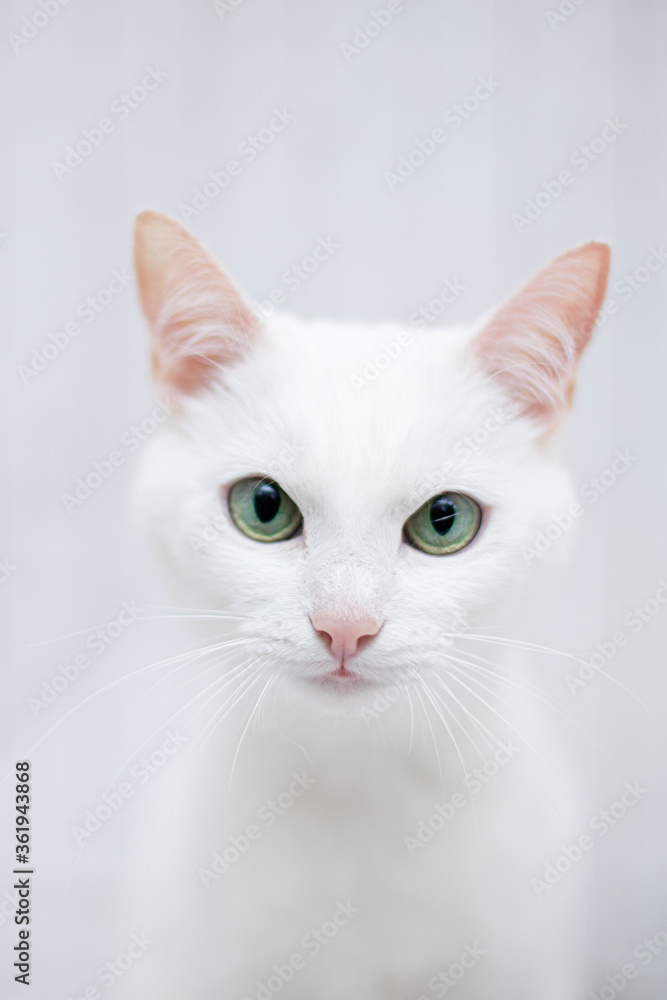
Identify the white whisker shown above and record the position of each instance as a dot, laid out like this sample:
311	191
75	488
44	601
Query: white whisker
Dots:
478	725
435	742
516	643
205	651
454	675
254	710
140	618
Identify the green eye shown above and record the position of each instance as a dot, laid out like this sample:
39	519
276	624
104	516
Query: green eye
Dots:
444	524
263	511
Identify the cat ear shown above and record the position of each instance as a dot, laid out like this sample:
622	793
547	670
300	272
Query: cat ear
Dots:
198	319
533	342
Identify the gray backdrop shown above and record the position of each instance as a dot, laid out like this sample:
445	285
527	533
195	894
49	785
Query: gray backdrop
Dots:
75	381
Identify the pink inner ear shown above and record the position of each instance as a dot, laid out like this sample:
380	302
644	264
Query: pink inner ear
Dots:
199	321
533	342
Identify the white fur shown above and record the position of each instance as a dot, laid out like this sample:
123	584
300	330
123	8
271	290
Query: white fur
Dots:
357	462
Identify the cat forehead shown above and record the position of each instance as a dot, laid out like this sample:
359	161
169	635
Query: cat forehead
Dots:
330	407
350	373
348	385
357	355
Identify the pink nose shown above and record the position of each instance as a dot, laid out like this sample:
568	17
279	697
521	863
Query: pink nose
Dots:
345	635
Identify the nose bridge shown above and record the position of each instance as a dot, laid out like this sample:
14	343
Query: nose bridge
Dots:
349	587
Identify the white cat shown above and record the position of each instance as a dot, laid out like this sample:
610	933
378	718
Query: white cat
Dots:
377	798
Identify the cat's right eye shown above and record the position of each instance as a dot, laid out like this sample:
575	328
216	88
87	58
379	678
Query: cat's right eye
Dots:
263	511
444	524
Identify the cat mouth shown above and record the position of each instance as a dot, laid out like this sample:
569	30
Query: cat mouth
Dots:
343	672
342	678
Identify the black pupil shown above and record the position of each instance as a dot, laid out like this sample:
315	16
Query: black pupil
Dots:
443	513
267	501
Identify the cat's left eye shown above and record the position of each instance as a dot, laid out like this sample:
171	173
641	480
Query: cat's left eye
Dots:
444	524
263	511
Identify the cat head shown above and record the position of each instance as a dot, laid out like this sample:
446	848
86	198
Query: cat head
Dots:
356	523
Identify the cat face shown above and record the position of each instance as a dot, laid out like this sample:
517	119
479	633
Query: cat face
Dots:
355	526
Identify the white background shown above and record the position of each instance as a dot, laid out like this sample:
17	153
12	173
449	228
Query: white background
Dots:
323	176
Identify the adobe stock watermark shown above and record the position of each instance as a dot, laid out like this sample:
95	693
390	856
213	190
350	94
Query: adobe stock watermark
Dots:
446	979
32	24
566	8
296	275
108	974
423	149
635	620
444	812
601	824
591	491
383	701
247	151
391	350
463	450
581	159
388	353
431	311
312	944
632	282
364	34
7	570
130	442
121	108
88	310
222	7
140	774
97	643
645	952
267	815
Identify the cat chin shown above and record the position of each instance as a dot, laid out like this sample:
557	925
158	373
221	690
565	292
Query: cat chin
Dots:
351	697
342	686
